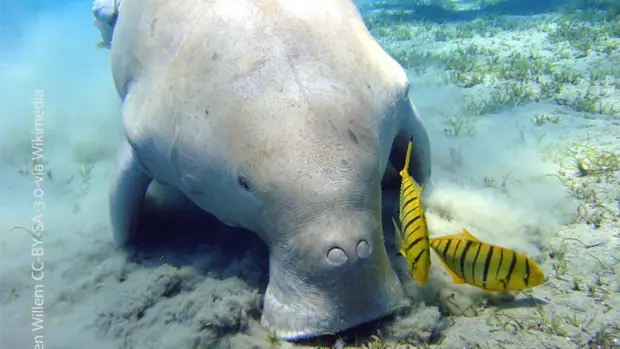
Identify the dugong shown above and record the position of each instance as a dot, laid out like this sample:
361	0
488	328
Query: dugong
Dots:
280	117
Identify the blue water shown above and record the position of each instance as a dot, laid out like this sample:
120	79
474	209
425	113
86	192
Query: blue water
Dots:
513	95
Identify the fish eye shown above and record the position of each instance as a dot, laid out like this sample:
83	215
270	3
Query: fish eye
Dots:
244	183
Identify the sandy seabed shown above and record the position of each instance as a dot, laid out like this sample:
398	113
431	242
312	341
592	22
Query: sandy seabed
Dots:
537	176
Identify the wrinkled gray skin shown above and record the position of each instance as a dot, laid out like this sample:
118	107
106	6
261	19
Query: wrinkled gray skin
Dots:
280	117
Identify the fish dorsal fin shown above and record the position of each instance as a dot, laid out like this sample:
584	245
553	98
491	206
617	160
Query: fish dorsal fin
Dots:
464	235
455	278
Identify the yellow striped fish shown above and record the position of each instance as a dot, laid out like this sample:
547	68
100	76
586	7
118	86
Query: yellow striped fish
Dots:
486	266
412	235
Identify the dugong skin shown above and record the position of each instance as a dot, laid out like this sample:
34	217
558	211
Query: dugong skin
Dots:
278	116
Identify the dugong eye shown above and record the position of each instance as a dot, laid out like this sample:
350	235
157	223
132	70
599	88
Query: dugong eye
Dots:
244	183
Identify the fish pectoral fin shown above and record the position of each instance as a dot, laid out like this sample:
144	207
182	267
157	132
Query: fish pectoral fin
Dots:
398	235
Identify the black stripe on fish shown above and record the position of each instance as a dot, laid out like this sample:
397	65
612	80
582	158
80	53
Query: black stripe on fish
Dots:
465	249
411	212
473	265
441	247
410	200
410	222
513	263
455	256
412	232
445	252
417	258
436	245
526	277
414	242
406	188
413	208
487	262
499	265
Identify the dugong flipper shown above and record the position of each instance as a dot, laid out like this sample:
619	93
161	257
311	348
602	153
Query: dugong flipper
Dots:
278	116
106	13
128	188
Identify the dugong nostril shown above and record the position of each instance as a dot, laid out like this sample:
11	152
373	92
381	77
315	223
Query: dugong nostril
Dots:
363	250
337	256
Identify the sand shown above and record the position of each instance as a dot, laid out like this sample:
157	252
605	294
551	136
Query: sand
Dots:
534	171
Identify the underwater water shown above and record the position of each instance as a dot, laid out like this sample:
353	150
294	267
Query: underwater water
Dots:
521	102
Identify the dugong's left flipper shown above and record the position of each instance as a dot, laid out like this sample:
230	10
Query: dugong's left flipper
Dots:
127	192
106	13
106	34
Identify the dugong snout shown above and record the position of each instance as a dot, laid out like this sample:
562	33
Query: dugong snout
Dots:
332	275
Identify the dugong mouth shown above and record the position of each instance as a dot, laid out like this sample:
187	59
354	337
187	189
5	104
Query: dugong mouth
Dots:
293	324
295	309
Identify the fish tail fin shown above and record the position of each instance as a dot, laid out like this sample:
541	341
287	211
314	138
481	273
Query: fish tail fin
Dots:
405	171
103	45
